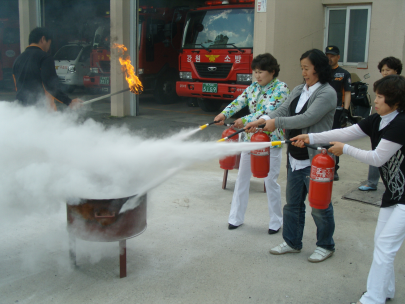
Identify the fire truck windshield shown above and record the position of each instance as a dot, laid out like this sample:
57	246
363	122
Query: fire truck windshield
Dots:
226	28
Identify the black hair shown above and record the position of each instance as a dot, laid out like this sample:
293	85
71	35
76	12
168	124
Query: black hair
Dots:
37	33
266	62
391	62
392	87
321	64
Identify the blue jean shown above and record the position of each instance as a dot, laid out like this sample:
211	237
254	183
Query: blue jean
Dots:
373	176
294	213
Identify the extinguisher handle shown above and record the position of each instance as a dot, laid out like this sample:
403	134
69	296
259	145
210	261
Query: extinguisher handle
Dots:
261	126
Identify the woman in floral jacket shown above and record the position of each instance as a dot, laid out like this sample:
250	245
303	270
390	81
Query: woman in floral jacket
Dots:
266	94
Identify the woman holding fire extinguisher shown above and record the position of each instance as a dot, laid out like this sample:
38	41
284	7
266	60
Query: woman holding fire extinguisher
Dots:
388	143
309	108
266	94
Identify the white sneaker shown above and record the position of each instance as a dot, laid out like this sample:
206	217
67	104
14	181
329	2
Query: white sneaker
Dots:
283	248
320	254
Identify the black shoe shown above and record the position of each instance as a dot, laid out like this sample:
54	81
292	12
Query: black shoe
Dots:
231	227
271	231
336	177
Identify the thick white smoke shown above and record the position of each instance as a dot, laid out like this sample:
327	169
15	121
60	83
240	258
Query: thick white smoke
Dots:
48	157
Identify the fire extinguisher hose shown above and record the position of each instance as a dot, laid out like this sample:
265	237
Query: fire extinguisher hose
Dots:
276	143
208	124
237	132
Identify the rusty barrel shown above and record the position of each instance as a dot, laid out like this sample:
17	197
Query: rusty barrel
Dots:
100	220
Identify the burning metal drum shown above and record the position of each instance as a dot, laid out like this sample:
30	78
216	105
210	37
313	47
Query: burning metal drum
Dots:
100	220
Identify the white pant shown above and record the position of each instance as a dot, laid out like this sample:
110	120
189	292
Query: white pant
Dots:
388	238
241	193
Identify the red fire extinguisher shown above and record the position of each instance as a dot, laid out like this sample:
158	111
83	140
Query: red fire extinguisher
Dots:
321	180
228	162
260	159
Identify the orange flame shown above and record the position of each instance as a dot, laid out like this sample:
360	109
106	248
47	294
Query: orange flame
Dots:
135	85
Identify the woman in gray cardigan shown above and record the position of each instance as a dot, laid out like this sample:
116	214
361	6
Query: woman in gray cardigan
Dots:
309	108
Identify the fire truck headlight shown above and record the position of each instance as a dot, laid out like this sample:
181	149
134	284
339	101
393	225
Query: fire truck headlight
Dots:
72	69
94	70
185	75
243	78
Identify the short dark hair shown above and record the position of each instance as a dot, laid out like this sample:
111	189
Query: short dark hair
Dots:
266	62
392	87
391	62
321	64
37	33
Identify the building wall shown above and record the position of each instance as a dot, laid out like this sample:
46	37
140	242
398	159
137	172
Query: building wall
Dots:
299	27
387	35
295	26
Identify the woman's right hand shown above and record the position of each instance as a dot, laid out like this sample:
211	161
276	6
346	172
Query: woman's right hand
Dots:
252	126
220	118
299	140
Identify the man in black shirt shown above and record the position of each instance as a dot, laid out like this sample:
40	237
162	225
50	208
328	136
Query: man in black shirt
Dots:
341	82
34	73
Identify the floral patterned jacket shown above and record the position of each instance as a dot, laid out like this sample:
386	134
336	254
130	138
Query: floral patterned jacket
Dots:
260	100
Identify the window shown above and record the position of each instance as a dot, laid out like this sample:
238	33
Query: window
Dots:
68	52
348	28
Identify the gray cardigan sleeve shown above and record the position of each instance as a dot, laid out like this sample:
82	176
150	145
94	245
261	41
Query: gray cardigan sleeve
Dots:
322	102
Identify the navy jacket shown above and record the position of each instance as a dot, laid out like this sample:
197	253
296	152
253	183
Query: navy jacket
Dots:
35	77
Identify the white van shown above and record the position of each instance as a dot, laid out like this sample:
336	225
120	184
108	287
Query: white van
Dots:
72	62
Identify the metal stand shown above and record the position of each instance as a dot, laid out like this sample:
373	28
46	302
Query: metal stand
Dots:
122	248
224	180
72	250
123	258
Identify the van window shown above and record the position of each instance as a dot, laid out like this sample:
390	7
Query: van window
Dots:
68	52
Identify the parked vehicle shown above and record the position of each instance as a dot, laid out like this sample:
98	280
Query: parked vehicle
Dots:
217	52
72	63
9	50
159	40
360	104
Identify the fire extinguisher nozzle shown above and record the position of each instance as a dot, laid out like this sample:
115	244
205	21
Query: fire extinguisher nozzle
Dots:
203	126
222	139
276	143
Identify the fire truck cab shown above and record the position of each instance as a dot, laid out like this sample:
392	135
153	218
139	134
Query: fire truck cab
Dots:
159	40
217	52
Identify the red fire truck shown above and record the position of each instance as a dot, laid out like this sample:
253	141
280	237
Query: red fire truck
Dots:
160	31
217	52
9	50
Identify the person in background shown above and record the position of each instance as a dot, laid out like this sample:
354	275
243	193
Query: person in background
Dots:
34	73
341	82
387	66
264	95
309	108
388	149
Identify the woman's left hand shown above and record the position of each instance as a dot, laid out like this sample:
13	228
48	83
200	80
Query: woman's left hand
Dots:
337	148
238	123
270	125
